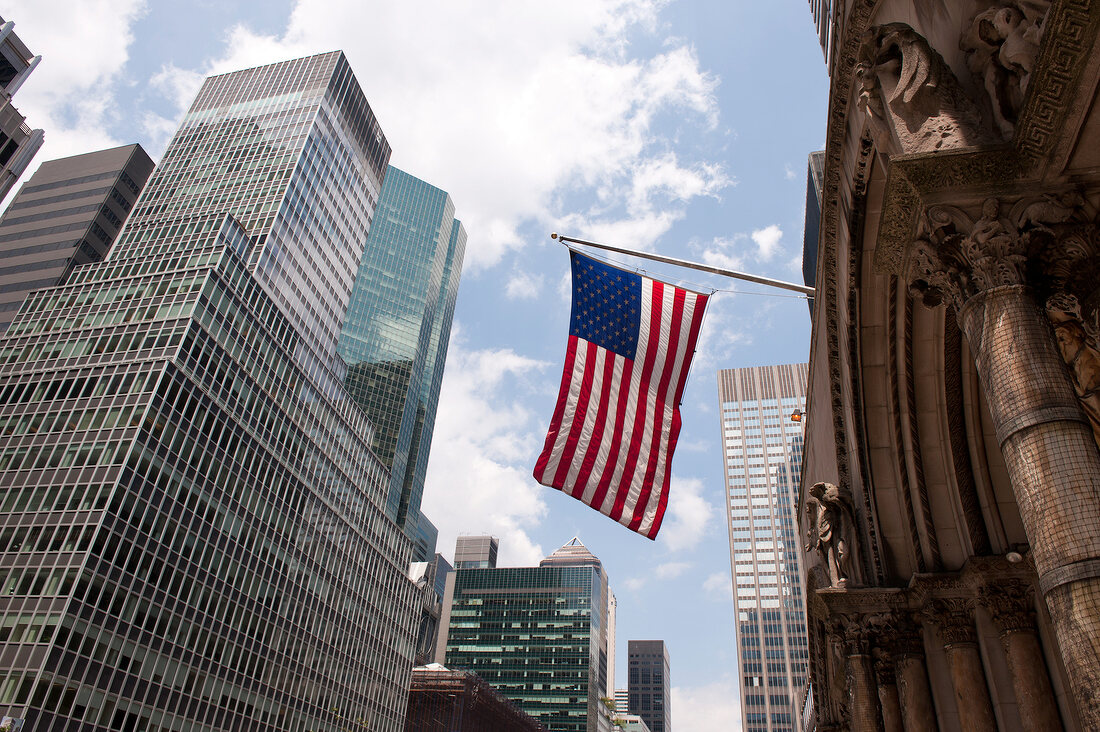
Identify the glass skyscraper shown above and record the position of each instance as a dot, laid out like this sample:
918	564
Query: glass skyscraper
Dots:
398	326
193	533
538	635
762	450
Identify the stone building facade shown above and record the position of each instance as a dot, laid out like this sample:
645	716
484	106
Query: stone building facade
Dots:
950	494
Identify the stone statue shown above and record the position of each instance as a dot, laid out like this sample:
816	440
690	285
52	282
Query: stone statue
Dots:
829	531
910	95
1079	351
1002	44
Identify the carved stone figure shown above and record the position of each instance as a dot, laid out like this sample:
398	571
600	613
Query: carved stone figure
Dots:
830	531
1002	44
1079	351
911	96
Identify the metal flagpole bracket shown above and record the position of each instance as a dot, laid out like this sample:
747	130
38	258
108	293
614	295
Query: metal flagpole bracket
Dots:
794	287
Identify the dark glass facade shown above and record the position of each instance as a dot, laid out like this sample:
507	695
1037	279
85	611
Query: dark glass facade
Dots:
398	326
649	686
193	533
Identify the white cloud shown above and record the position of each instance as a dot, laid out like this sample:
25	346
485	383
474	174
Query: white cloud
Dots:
716	705
767	241
688	515
477	478
789	172
671	570
634	583
719	586
84	47
559	105
523	286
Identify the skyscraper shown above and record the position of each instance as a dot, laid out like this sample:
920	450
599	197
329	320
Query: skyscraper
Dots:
398	326
815	172
763	460
66	215
18	142
476	552
536	634
195	526
649	686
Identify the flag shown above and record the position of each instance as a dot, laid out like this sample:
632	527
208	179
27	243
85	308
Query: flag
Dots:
610	443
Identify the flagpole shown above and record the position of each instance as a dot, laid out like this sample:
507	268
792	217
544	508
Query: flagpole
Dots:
803	289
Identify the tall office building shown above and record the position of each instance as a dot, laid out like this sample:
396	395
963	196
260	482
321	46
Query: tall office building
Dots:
649	686
194	531
398	327
536	634
18	142
763	460
476	552
815	181
66	215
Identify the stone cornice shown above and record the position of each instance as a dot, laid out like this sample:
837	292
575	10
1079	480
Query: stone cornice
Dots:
1057	104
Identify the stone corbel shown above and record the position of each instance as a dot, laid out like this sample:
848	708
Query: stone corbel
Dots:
911	98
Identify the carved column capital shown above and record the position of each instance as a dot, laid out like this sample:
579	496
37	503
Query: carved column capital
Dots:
1009	606
962	251
955	618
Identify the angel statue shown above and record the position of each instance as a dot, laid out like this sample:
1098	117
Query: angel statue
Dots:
829	531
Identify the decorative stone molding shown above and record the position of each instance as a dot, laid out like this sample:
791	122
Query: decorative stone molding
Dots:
1002	44
910	96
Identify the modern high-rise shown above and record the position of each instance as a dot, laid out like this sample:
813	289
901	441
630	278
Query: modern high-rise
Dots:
194	534
536	634
762	449
649	686
66	215
815	172
398	325
18	142
476	552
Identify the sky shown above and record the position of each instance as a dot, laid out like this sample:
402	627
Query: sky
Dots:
675	126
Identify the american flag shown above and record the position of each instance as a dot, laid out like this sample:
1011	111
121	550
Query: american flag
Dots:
610	444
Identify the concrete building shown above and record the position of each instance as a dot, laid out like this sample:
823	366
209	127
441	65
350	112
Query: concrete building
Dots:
18	142
622	700
66	215
951	471
398	326
536	634
649	683
194	525
476	552
762	450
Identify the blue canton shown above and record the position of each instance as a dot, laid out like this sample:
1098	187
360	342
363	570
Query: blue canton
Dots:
606	305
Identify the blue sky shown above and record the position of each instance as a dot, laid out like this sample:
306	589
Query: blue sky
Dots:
680	127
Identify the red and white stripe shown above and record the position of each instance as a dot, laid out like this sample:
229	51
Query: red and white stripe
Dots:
616	420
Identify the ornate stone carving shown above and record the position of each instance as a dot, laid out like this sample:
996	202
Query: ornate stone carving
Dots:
1080	352
910	96
831	531
1002	44
955	618
1009	605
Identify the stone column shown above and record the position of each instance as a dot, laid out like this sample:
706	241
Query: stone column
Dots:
1008	604
918	713
888	699
1053	463
863	699
960	642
